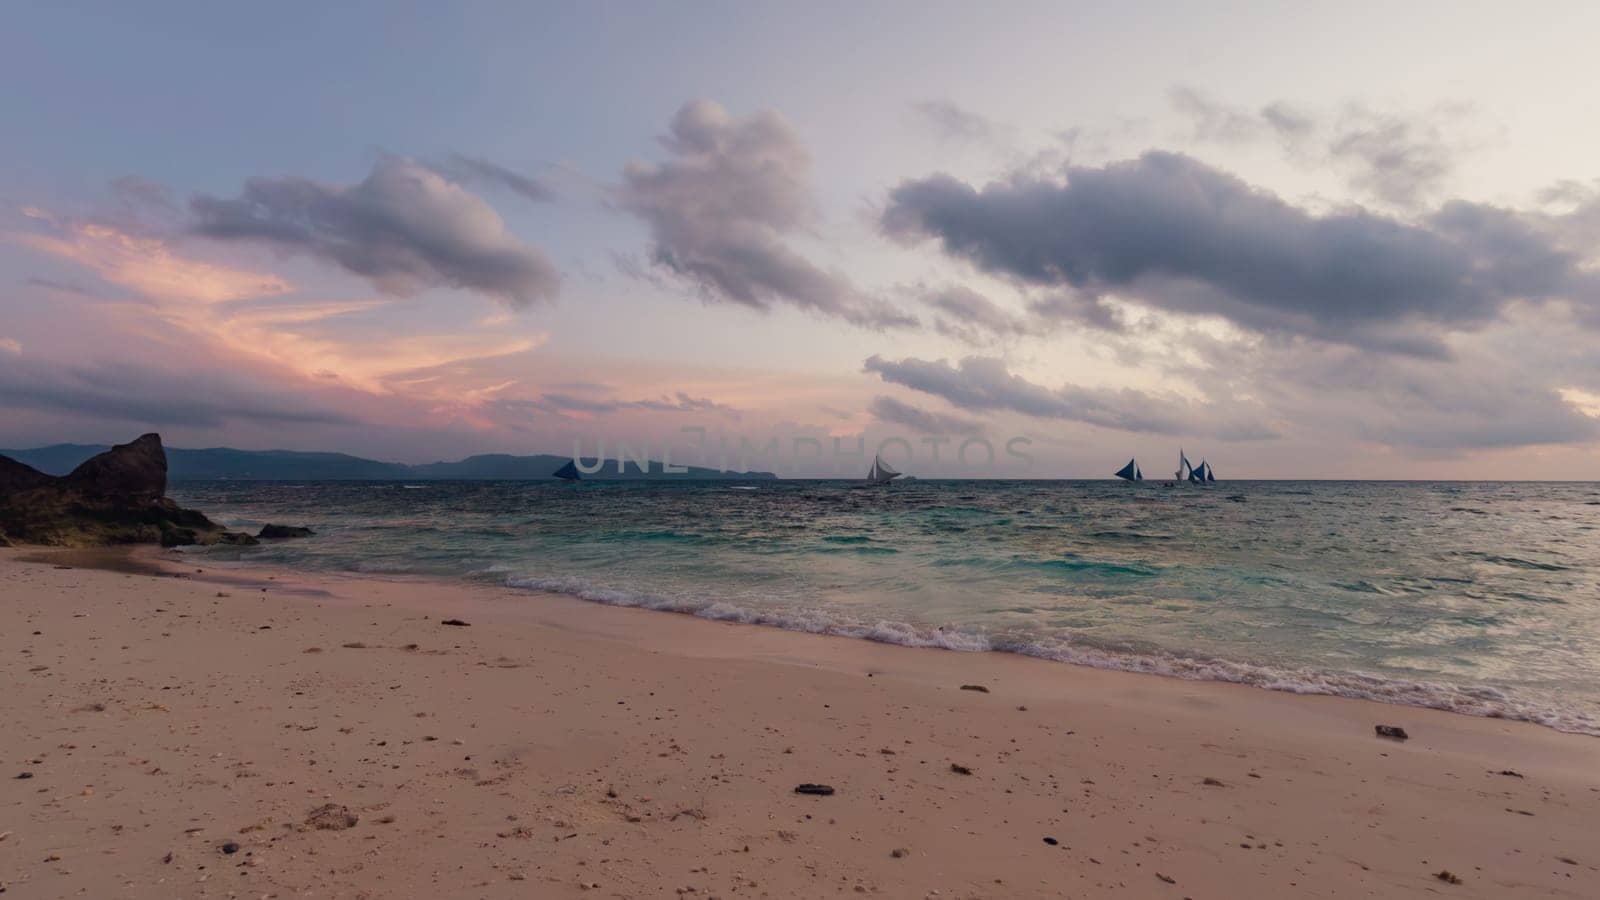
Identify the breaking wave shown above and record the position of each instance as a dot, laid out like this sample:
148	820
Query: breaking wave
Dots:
1472	700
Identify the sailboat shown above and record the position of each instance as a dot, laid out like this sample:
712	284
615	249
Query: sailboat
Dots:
1130	472
1191	473
568	472
881	473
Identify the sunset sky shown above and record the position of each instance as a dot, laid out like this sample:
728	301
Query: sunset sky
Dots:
1355	241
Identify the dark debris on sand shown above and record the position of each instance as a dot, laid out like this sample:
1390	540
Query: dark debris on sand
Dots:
332	817
1393	732
817	790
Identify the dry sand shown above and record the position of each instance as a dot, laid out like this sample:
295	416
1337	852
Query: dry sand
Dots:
555	748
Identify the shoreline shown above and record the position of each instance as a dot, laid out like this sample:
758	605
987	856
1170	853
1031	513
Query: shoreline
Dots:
150	560
1479	701
1112	765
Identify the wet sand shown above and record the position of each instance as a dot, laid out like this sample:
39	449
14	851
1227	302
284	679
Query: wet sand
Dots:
179	735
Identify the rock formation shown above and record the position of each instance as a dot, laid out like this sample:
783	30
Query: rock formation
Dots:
117	497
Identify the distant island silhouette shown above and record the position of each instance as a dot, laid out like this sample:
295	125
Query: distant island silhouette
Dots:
226	463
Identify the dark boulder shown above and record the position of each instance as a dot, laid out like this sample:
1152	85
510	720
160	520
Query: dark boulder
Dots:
136	472
15	476
116	497
276	532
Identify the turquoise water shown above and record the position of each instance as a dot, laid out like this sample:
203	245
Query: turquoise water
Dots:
1482	598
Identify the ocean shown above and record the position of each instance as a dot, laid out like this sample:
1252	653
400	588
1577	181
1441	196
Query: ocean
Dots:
1482	598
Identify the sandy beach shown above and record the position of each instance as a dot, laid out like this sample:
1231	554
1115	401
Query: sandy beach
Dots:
256	733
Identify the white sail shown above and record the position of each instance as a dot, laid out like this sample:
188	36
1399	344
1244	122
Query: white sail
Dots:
1185	470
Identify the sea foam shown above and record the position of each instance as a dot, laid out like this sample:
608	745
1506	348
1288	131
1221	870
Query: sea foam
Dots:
1472	700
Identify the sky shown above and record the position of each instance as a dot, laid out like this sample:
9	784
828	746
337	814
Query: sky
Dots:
998	239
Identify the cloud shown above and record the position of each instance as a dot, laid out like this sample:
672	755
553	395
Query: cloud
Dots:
894	412
146	265
153	397
1464	409
953	123
984	384
1176	234
970	317
1213	121
1288	122
1497	394
1403	160
720	207
566	404
65	287
136	193
1051	311
459	167
10	345
404	228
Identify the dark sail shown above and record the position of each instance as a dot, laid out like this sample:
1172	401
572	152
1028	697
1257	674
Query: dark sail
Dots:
881	473
568	472
1130	472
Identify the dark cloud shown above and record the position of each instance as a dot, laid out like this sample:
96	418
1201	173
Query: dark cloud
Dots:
152	397
982	384
1288	122
66	287
972	318
404	227
477	170
718	211
1074	307
1174	233
683	402
890	411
